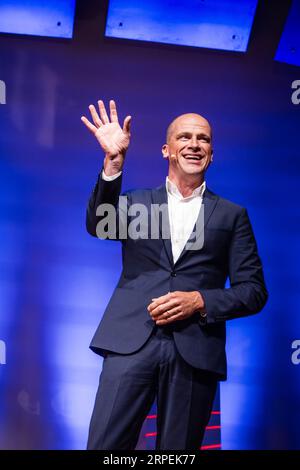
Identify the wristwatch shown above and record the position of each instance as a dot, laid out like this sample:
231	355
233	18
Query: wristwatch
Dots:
203	317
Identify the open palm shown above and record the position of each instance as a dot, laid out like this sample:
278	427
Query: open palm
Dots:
113	139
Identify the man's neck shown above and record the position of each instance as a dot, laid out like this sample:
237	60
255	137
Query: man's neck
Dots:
186	185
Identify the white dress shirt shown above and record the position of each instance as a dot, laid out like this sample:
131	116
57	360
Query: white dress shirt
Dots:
183	212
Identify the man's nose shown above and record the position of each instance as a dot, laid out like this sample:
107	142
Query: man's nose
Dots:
194	143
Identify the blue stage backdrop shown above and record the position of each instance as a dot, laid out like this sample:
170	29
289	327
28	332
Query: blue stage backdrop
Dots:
215	24
55	279
52	18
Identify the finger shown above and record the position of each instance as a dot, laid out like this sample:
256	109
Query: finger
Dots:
171	312
156	304
161	299
168	313
95	116
127	124
113	111
165	321
162	309
103	112
158	301
88	124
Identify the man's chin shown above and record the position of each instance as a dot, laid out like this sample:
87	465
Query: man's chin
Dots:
193	171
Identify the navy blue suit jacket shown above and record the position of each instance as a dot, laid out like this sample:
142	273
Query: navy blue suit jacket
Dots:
229	251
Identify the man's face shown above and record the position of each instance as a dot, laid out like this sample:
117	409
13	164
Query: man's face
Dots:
189	147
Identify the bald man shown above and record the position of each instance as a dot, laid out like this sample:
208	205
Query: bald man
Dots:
163	332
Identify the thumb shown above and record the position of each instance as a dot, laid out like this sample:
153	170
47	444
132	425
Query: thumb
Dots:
127	124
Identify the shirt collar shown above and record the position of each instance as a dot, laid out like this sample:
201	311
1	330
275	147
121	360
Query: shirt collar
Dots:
172	190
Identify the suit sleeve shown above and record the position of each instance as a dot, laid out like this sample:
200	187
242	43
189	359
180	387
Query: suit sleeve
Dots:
103	201
247	294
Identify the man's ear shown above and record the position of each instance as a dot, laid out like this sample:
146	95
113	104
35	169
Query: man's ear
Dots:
165	151
211	156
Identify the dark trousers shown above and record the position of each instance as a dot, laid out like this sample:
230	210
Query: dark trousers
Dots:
128	386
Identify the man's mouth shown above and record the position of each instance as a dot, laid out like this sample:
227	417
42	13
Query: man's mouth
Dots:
192	157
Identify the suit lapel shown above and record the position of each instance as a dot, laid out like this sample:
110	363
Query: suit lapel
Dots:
209	201
159	196
208	205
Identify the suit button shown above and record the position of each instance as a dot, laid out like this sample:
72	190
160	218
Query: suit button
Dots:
173	274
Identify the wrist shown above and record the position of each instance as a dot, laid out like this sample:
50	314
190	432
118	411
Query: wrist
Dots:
200	309
112	167
114	155
199	302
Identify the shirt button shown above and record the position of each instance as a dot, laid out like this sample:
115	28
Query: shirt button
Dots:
173	274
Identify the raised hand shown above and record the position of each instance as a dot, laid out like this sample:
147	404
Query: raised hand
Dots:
113	139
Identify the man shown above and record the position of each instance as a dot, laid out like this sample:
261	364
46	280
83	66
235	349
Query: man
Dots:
163	332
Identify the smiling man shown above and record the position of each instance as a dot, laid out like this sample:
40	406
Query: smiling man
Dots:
189	146
163	332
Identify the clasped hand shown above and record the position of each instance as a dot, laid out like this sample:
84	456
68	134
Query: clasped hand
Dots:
175	306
